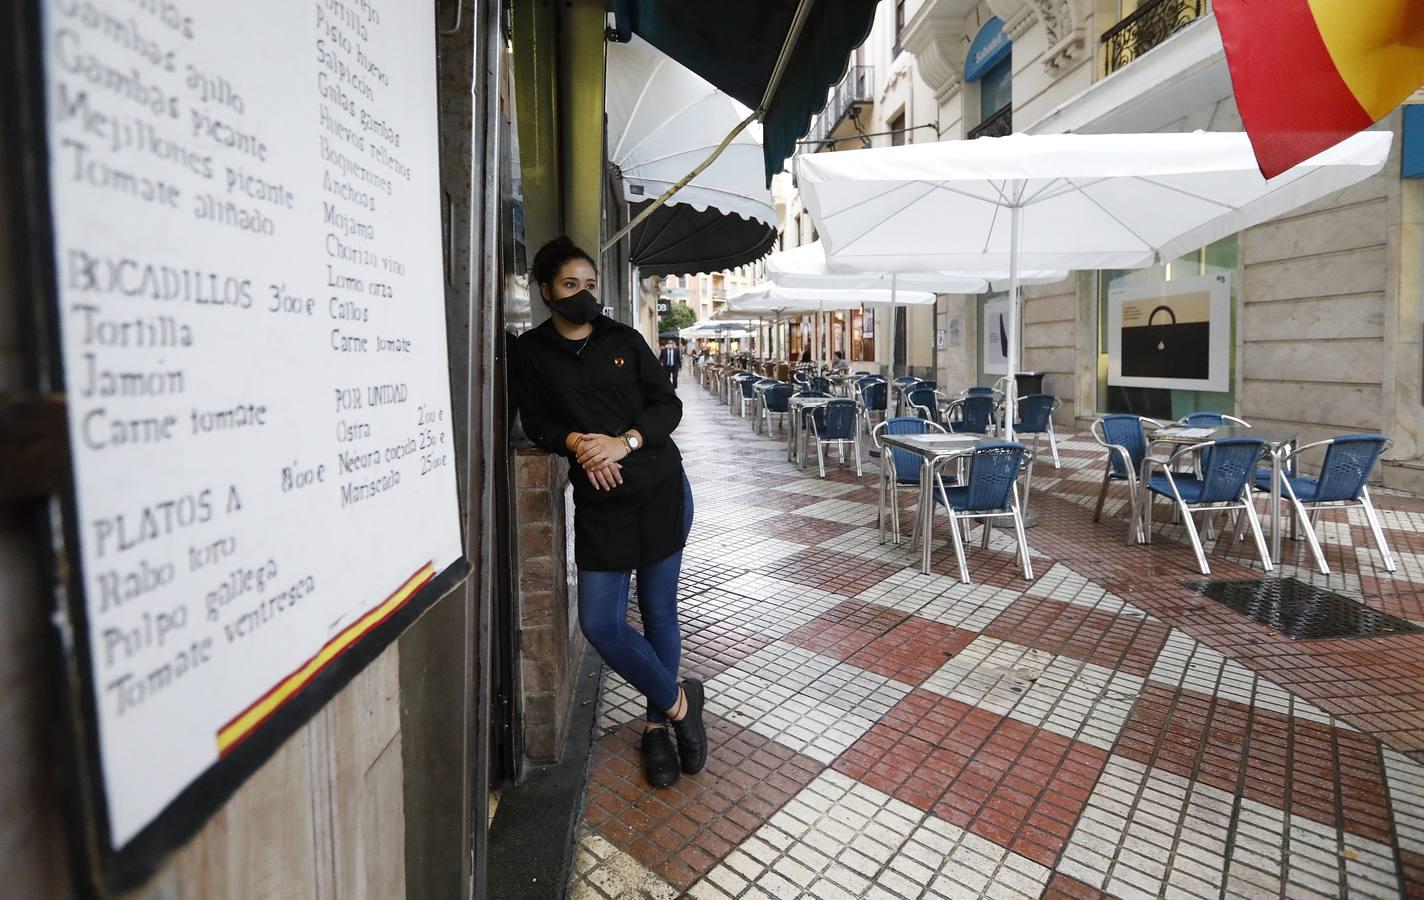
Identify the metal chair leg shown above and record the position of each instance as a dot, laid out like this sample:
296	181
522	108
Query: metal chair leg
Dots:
855	443
1022	539
883	512
1308	518
1261	547
821	455
1373	518
1146	502
1134	523
984	538
1191	527
1102	495
1053	444
958	545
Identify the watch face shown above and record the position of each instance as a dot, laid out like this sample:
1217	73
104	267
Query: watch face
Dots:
633	442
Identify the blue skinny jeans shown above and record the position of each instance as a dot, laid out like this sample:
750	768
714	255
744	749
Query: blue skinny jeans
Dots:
648	661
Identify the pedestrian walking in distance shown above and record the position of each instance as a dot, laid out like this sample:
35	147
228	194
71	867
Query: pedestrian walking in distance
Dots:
672	360
591	389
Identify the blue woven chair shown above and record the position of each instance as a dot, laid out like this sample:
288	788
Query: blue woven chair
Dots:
1210	420
776	402
978	391
1224	483
1036	411
820	383
1350	459
898	387
1125	438
972	414
836	424
903	469
990	491
747	394
875	398
925	403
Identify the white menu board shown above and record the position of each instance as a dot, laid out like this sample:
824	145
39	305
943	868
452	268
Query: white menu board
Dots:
250	296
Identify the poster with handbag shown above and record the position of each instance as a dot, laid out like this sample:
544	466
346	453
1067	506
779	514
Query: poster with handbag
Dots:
1174	334
996	336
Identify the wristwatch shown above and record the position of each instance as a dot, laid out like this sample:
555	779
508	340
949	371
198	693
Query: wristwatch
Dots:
632	442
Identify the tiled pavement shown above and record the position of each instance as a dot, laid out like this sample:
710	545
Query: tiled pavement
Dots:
1100	731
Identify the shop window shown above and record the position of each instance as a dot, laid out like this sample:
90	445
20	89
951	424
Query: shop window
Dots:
862	336
897	130
1166	403
996	89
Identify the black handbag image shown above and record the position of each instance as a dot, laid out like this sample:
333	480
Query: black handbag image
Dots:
1172	340
1003	338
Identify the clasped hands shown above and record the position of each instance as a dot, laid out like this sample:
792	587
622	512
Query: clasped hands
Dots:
599	454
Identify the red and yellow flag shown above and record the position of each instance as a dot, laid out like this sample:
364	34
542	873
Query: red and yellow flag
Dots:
1310	73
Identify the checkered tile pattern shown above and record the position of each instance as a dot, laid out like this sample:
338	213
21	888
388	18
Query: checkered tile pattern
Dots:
1100	731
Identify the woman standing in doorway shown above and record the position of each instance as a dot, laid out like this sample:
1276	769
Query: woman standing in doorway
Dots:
591	389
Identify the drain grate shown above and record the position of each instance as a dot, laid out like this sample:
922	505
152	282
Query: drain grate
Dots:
1302	611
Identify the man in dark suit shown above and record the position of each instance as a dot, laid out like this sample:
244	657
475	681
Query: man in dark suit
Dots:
671	358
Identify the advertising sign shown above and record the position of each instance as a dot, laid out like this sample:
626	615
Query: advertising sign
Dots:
250	302
995	339
1174	334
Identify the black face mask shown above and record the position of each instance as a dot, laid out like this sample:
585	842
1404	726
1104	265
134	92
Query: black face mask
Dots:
579	308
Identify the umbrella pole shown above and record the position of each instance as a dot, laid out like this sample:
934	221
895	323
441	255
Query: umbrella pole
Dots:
894	320
1012	361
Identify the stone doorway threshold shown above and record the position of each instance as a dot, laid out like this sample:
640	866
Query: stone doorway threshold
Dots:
531	837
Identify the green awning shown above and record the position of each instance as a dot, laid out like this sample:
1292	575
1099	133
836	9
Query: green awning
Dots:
735	45
680	240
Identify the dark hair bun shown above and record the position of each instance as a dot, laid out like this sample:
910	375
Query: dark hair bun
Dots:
553	256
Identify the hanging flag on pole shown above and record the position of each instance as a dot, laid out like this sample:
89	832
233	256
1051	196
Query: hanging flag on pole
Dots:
1310	73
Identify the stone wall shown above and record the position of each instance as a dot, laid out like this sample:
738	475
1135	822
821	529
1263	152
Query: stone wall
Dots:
1050	341
548	640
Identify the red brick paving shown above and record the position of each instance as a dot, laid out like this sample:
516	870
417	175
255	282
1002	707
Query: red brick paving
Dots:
1021	787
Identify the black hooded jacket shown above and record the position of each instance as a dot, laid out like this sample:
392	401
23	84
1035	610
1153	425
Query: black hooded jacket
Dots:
609	385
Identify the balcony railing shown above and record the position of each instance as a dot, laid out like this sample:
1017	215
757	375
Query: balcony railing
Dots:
1149	25
855	87
1000	124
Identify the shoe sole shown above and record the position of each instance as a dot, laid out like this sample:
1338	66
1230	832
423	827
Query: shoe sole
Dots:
701	706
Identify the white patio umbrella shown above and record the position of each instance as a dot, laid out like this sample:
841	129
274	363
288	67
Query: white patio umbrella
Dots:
807	267
773	298
1062	201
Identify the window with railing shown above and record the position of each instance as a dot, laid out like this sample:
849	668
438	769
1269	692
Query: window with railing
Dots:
996	101
1000	124
899	26
1145	27
853	89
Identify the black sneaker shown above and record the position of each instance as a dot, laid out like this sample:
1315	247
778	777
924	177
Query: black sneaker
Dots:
659	758
691	732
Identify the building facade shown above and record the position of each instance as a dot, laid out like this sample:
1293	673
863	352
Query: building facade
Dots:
1325	302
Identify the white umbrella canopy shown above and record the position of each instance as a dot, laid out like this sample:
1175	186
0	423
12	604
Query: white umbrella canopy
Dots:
664	119
771	297
1070	201
807	267
1088	201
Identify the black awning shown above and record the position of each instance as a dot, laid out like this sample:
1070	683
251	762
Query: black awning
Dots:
680	240
735	44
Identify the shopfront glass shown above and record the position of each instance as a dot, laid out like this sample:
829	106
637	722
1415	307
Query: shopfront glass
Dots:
1163	403
862	336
